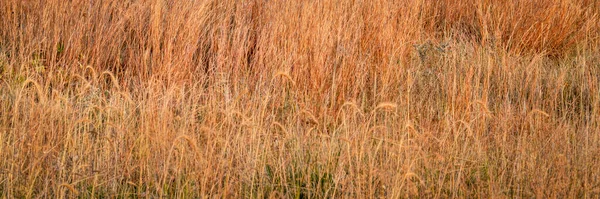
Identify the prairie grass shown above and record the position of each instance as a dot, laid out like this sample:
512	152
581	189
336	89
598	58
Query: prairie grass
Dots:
300	99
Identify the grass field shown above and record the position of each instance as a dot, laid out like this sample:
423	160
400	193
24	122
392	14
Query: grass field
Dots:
300	99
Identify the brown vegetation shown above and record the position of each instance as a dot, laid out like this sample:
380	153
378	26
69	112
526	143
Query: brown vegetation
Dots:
300	98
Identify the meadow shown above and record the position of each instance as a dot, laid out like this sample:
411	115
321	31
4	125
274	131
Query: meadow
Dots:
300	99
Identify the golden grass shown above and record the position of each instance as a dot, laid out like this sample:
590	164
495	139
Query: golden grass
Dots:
300	99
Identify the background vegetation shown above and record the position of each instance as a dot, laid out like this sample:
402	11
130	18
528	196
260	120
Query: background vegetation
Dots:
300	98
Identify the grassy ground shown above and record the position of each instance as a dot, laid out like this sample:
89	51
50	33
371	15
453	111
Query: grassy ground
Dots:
300	99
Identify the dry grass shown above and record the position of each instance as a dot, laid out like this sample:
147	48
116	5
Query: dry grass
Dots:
300	99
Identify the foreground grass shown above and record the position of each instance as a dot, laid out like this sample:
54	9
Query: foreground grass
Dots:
299	99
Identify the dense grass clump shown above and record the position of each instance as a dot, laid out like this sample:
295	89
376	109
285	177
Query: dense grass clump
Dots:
300	99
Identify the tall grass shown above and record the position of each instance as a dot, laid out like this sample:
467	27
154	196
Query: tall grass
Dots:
300	99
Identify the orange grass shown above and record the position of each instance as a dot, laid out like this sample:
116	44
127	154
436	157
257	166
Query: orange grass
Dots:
300	99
